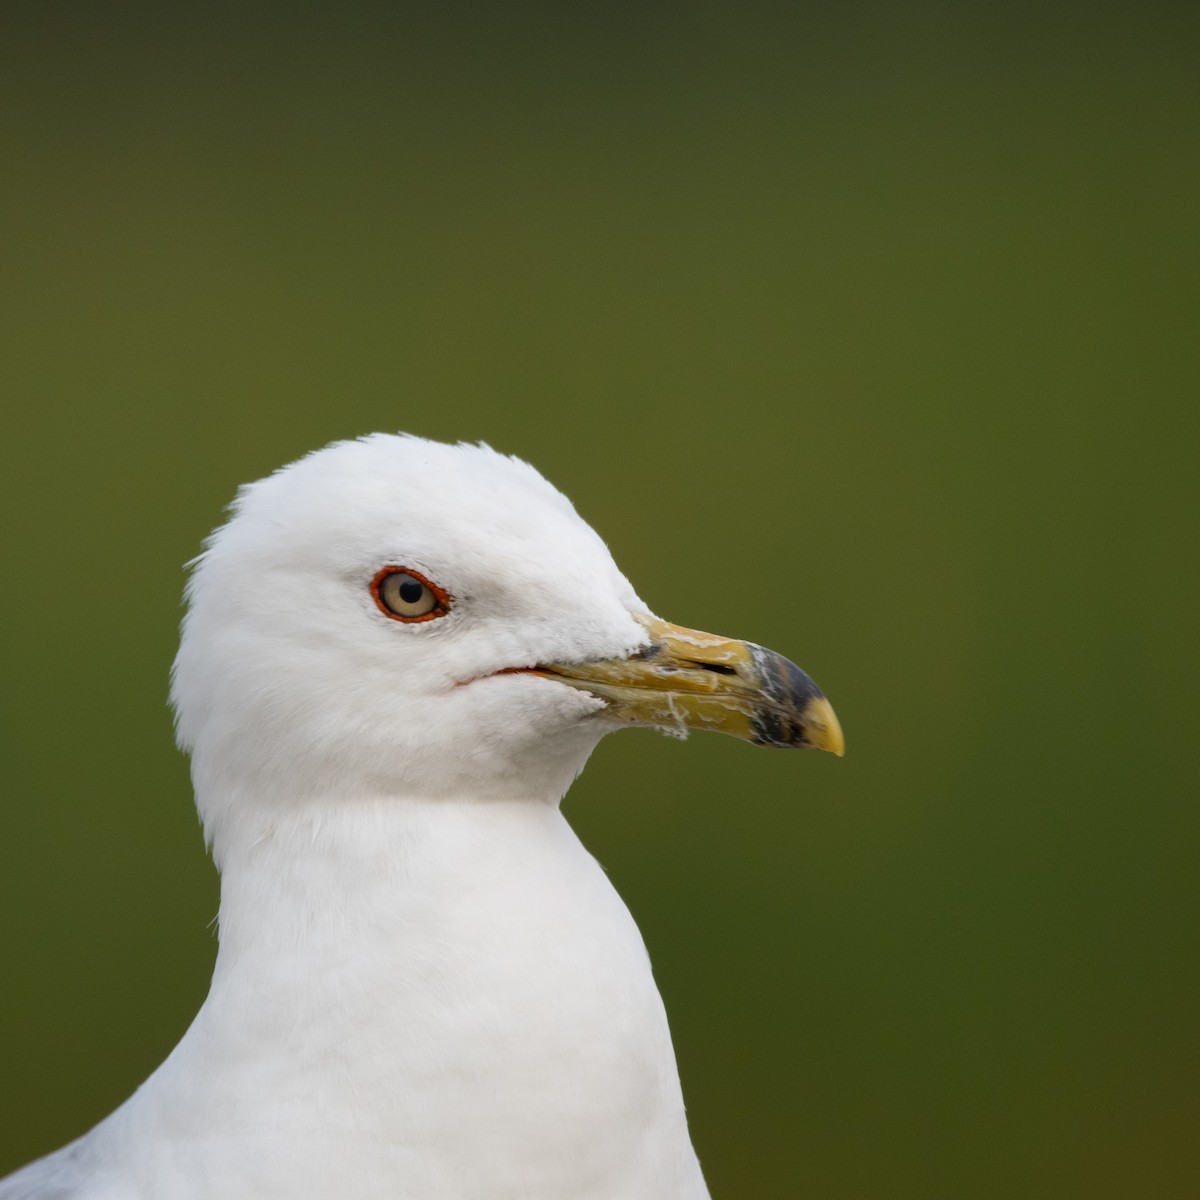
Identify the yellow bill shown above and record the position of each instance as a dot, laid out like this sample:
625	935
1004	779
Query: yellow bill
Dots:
690	680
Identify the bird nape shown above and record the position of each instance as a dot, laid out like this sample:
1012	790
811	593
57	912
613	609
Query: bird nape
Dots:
396	657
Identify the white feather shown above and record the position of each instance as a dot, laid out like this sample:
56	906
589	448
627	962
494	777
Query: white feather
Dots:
426	988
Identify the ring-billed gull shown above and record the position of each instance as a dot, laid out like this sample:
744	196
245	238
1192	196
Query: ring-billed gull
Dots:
396	657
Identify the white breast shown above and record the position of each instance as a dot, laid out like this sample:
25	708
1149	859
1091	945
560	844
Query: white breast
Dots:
449	995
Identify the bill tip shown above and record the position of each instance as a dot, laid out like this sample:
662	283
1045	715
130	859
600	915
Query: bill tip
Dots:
823	729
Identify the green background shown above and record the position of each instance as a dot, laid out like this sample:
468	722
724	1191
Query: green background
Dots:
865	331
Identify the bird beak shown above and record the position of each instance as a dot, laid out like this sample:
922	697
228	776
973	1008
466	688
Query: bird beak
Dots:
689	680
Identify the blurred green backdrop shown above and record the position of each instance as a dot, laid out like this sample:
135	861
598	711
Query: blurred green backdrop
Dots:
864	331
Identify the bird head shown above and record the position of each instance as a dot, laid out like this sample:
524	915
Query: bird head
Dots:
398	617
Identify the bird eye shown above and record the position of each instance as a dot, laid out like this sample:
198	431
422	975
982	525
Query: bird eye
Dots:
408	596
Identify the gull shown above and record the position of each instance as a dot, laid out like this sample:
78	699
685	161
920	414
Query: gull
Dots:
396	657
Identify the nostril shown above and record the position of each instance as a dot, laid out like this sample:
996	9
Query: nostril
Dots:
717	668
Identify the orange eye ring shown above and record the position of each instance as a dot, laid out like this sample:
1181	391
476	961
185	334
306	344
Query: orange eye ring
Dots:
405	595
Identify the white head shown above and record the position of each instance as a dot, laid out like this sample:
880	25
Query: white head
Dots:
366	626
295	684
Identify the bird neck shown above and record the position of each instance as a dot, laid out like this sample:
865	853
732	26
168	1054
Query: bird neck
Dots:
394	979
341	872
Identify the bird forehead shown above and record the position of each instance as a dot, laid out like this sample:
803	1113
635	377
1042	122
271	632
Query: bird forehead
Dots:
471	520
385	487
